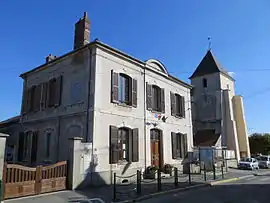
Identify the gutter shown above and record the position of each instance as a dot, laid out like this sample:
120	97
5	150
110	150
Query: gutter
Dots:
88	97
144	107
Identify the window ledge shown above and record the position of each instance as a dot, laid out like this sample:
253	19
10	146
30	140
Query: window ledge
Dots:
120	163
180	117
156	112
123	105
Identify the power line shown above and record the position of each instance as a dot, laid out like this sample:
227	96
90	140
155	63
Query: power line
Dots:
257	93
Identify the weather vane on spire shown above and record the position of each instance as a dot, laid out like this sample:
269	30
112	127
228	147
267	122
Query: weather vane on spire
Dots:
209	43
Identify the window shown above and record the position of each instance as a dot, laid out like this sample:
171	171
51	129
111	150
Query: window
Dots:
123	89
123	145
52	92
155	98
179	145
124	95
48	142
177	105
23	146
204	82
43	95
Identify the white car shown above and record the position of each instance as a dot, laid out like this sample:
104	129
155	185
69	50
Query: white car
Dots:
248	163
264	161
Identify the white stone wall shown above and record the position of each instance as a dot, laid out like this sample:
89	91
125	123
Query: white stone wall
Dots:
107	113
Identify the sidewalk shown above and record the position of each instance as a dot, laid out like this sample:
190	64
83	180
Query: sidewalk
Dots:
129	191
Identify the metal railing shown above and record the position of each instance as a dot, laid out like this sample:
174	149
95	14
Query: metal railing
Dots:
141	184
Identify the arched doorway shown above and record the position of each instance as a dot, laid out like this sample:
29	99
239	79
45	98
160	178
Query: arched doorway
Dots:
156	147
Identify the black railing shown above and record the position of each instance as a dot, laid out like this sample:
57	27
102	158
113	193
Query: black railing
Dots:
142	183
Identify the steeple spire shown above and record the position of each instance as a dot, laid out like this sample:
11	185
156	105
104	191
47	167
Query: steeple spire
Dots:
209	43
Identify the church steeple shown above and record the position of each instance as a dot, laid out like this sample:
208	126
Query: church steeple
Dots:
209	65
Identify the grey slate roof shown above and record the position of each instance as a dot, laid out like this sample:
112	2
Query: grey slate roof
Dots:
209	65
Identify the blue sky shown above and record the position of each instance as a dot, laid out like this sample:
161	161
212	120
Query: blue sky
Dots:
173	31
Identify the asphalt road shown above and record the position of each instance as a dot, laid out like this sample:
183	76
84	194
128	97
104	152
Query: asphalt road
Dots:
252	190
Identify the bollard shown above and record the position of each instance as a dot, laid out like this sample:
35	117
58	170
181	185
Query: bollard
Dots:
204	171
114	187
139	182
189	174
222	172
159	180
214	171
175	177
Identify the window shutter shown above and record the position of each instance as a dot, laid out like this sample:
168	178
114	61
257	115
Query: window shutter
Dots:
113	145
114	87
50	96
37	97
174	145
44	95
58	91
149	94
185	144
134	92
21	146
29	96
135	145
162	100
173	104
183	109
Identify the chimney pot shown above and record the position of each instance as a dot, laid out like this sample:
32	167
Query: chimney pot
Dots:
82	32
50	57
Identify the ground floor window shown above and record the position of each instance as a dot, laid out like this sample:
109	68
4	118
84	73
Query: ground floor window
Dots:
124	145
179	145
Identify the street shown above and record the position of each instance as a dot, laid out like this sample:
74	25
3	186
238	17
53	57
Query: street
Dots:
251	190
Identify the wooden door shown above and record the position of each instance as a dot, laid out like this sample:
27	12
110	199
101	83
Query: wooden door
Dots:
155	155
156	148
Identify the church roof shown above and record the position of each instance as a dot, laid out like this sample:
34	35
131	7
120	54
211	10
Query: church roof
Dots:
209	65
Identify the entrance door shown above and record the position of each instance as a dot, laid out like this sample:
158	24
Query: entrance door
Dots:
156	148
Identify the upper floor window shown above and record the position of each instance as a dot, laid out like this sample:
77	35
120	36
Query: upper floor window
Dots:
177	105
124	145
41	96
179	145
204	82
155	98
123	89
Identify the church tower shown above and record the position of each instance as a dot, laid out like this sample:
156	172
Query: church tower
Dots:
213	108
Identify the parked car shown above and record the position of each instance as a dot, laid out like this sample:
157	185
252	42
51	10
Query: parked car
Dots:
264	161
248	163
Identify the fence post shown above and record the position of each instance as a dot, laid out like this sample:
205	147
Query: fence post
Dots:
159	180
189	174
204	171
38	179
175	177
214	171
114	186
222	172
139	182
2	184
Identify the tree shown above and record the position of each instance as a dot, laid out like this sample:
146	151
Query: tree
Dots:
260	143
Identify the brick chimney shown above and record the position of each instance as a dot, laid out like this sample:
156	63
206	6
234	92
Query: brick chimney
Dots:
50	57
82	32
